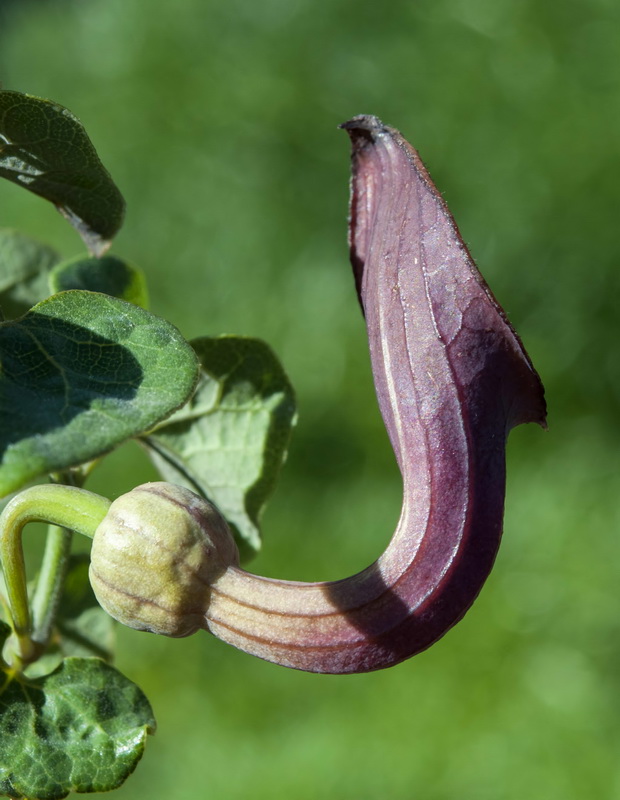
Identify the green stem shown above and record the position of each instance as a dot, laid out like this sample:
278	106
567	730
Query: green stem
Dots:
54	566
65	506
50	582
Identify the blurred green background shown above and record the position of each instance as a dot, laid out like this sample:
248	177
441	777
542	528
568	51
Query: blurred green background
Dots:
218	121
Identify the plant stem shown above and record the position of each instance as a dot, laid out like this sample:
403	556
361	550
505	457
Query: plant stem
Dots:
50	582
54	565
65	506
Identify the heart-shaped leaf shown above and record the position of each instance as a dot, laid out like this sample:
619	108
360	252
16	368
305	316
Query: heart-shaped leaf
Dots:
80	729
25	266
108	274
45	149
82	372
229	442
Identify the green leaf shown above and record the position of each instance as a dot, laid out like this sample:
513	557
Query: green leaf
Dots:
45	149
229	442
25	265
109	275
80	729
80	373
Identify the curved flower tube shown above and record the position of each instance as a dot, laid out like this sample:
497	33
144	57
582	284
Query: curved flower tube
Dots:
452	379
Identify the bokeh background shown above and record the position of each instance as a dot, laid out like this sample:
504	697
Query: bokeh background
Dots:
218	121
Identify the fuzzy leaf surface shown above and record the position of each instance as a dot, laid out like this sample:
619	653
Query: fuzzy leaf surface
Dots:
82	372
45	149
230	441
81	728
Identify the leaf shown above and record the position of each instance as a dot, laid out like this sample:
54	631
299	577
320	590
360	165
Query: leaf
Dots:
108	274
80	729
45	149
229	442
82	372
25	265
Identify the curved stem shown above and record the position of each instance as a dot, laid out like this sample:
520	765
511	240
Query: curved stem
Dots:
65	506
452	378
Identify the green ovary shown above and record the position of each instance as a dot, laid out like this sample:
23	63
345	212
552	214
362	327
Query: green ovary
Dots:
155	556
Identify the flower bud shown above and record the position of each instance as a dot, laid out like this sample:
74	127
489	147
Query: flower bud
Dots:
156	554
